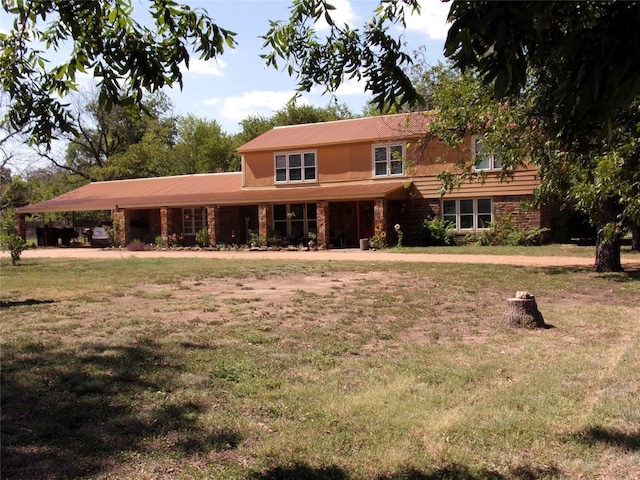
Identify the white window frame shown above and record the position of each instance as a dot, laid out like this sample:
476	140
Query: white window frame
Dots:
483	161
193	220
289	166
389	161
477	214
306	220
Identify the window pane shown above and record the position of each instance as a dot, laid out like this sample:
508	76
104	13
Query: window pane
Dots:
309	173
295	174
477	146
396	152
497	163
483	163
484	205
449	207
396	167
297	211
280	212
484	221
309	159
380	154
280	228
281	161
281	175
381	168
295	160
466	221
466	206
312	213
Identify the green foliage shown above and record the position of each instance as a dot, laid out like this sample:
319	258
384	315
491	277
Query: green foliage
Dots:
160	242
114	232
202	237
202	147
379	239
503	231
399	235
552	44
254	238
10	241
371	55
101	37
438	232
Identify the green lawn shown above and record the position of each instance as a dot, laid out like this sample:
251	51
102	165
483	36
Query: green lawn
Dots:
227	369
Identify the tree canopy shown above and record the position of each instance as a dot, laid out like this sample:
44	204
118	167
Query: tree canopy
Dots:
127	58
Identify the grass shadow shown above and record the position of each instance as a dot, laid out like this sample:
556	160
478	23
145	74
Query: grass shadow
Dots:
24	303
449	472
612	437
69	414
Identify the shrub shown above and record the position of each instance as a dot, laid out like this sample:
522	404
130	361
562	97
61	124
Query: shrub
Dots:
10	241
438	232
504	231
202	237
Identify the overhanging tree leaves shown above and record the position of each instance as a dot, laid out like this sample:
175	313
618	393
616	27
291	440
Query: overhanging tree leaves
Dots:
572	60
370	54
100	38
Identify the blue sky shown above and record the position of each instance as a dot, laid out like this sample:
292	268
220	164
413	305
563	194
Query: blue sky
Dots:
238	84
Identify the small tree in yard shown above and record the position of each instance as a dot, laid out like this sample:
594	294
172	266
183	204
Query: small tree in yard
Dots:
10	241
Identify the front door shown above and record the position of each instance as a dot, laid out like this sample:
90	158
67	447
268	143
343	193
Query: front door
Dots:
365	219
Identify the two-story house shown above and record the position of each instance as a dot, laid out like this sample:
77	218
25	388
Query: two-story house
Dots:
337	180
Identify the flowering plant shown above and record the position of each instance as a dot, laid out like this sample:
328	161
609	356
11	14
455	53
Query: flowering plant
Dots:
379	238
399	234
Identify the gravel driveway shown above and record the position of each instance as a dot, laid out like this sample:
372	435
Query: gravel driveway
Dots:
324	255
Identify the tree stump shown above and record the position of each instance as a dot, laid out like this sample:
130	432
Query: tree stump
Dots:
522	312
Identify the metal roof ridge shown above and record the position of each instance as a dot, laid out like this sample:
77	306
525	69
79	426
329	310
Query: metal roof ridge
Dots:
370	117
164	177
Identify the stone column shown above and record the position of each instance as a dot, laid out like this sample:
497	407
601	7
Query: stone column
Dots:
322	211
121	226
265	219
164	223
212	224
380	213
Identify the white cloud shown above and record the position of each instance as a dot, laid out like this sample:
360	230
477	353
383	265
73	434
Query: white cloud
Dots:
255	102
432	21
213	67
342	14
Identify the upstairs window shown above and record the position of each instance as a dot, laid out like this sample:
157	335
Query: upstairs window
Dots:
296	167
484	160
388	160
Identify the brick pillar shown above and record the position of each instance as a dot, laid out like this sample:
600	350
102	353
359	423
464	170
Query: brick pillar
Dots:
212	225
121	226
322	210
380	213
265	220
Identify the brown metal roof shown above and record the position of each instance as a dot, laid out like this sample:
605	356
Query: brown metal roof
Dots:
200	190
143	193
369	129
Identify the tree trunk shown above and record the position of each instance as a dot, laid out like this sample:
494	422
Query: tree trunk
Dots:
635	237
522	312
607	242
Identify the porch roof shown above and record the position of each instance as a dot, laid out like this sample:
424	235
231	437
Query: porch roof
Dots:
202	190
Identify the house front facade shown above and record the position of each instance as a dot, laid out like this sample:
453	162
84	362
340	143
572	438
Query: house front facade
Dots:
337	182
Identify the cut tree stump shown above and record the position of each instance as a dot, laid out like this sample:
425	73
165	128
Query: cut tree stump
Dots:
522	312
